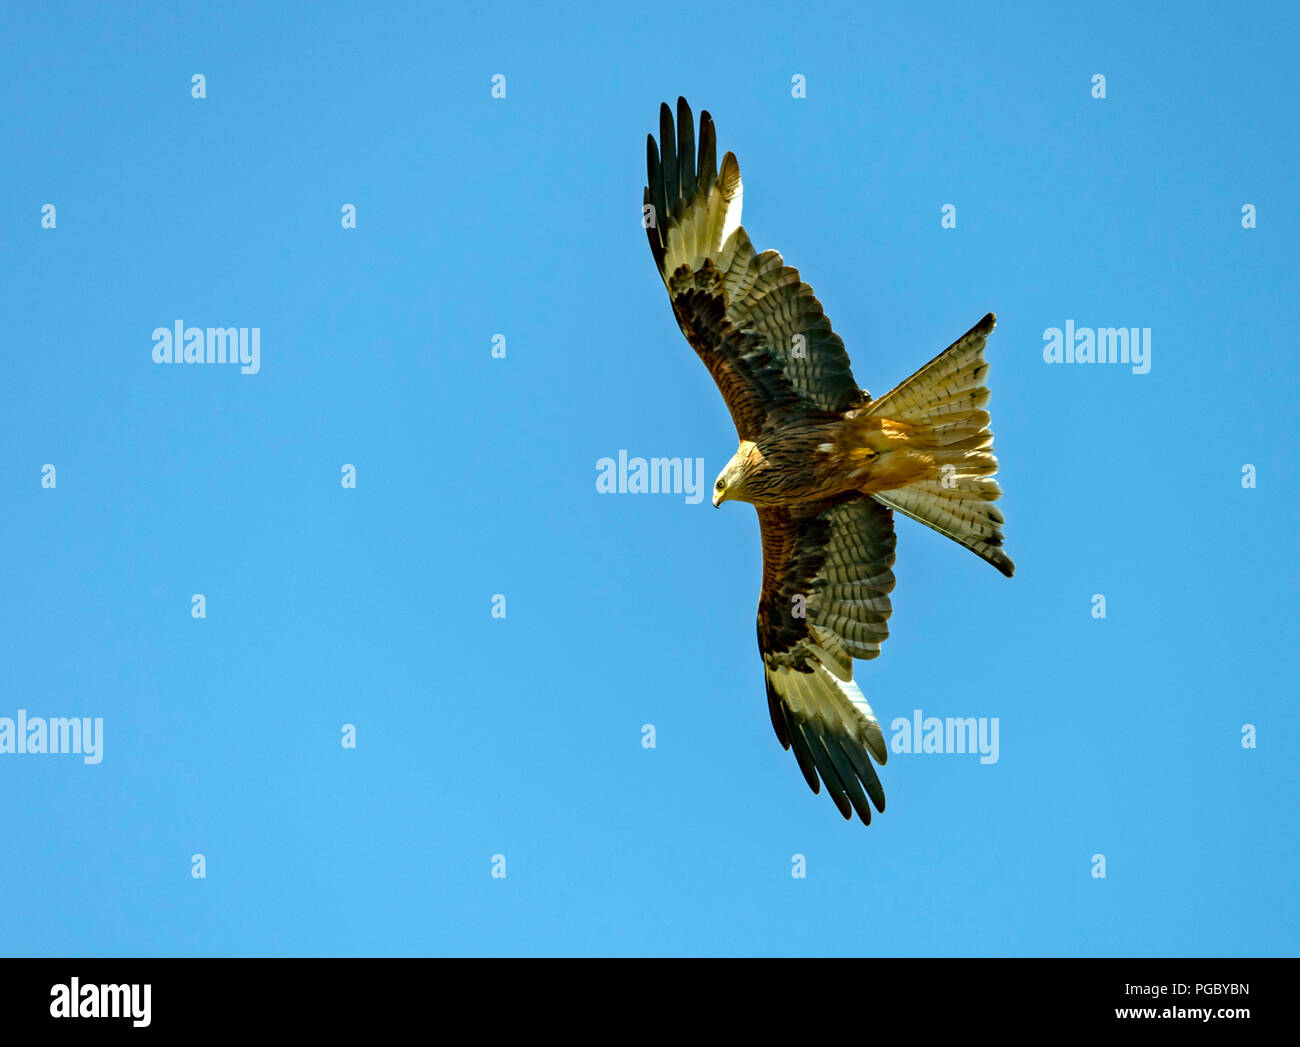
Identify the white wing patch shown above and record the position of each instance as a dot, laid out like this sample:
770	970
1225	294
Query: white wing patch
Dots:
705	225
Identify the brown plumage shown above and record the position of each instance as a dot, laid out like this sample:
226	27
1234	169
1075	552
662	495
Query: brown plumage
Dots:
823	462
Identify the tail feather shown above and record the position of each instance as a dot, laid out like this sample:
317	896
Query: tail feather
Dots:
942	405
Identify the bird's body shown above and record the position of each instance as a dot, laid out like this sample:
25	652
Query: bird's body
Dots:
823	462
771	470
814	460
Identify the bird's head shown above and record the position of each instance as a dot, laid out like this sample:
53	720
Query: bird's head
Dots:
730	484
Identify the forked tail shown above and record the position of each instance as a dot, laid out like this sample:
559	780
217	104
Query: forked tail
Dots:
942	405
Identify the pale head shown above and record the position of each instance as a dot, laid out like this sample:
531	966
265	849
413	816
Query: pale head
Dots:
730	484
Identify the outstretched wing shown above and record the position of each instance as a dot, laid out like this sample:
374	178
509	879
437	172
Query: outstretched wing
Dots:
826	582
758	328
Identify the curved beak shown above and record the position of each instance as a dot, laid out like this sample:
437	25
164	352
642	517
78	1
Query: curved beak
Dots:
717	498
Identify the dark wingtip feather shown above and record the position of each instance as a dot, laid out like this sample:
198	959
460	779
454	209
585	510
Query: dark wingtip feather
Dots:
866	773
778	717
844	767
668	157
656	198
839	792
803	755
685	149
653	235
708	164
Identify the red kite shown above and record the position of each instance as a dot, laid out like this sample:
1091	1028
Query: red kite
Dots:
824	464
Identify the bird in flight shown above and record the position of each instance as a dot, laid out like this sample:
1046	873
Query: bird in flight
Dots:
825	464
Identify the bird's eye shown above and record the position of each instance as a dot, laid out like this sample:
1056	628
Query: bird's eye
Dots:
719	485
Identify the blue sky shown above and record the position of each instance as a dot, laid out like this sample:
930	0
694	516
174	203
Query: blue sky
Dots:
475	476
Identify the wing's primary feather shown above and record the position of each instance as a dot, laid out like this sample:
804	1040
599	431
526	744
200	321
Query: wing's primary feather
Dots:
757	326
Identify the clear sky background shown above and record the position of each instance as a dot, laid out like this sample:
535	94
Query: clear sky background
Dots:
476	476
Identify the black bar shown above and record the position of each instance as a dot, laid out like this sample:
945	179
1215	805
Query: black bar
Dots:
344	996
